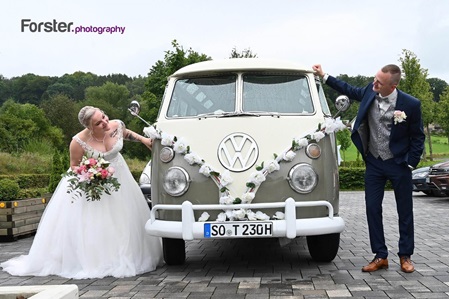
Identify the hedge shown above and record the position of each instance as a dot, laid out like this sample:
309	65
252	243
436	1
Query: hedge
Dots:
29	180
353	178
9	189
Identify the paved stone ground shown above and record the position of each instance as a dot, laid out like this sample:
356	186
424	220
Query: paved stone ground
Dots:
260	268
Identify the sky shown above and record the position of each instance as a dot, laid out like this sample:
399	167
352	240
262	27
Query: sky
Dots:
352	37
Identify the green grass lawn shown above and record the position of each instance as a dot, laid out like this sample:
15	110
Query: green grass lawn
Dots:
440	150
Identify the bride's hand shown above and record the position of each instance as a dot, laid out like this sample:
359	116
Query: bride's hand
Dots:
148	142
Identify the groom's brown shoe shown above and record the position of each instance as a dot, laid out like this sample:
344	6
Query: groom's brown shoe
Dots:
376	264
406	264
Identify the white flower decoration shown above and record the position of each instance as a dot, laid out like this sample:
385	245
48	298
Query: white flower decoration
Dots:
167	139
152	132
240	214
248	197
251	215
318	136
289	156
262	216
272	165
226	200
333	125
180	146
230	215
301	142
279	215
225	178
399	116
205	170
221	217
192	158
204	217
257	178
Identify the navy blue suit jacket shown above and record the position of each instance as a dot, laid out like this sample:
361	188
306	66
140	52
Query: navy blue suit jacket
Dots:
406	138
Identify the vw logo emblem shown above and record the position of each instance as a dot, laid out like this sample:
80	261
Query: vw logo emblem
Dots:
238	152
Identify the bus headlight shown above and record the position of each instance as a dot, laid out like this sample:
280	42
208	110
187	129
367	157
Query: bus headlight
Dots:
167	154
176	181
313	151
302	178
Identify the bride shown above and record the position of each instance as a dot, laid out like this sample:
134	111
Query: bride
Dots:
81	239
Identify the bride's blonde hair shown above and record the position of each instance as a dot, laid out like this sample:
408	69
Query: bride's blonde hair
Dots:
86	114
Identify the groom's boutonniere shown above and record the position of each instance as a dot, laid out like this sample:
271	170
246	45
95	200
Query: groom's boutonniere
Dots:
399	116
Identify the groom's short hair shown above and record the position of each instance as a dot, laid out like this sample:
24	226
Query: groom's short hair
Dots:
395	72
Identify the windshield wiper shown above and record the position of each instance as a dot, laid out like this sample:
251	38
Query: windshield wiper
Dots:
238	113
260	113
251	113
226	114
211	114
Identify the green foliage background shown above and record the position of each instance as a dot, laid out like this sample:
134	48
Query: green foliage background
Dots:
39	114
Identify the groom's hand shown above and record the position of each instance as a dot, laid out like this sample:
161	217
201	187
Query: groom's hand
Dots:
318	70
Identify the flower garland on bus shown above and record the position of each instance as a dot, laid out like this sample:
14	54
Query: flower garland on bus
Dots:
222	180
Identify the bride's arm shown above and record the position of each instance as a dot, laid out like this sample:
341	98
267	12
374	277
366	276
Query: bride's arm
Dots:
76	154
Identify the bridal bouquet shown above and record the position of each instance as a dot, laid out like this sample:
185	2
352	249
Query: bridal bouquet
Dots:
93	177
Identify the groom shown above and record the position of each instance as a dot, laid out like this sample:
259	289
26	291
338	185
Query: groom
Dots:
388	132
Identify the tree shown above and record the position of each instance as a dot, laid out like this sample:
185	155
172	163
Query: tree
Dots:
414	83
136	86
442	115
62	113
150	107
247	53
14	131
121	79
57	168
20	123
29	88
344	140
117	97
79	81
437	86
5	89
59	88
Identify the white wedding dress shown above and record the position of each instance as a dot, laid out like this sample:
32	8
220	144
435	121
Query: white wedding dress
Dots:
93	239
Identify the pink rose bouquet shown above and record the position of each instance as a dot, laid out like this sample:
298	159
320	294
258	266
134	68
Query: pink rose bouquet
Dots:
93	177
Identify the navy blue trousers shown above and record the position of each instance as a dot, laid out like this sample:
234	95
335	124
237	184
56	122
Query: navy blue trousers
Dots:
376	176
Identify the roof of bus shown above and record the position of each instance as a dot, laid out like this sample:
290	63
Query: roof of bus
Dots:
241	64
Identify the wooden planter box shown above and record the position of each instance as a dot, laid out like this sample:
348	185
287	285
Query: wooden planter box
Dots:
21	217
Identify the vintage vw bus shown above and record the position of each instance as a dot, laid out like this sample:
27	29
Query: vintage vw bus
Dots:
245	148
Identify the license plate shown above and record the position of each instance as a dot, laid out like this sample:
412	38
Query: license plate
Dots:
427	180
238	229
